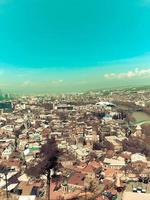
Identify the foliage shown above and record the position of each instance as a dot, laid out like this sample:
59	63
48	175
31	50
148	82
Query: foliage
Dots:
97	146
99	115
136	145
146	129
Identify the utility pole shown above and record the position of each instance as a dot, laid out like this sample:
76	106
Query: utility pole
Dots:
6	173
48	184
50	173
5	170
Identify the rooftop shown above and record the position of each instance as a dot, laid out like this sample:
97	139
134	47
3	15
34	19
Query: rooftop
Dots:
137	196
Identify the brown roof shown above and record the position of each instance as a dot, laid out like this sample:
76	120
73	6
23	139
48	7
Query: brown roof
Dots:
89	169
107	182
12	163
110	172
100	198
95	164
76	179
25	187
113	191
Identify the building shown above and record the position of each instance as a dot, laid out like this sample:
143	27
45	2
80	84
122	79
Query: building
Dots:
139	160
7	151
65	107
116	163
6	106
137	196
81	153
115	141
138	132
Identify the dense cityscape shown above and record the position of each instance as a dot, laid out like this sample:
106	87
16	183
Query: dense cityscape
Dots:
93	145
75	100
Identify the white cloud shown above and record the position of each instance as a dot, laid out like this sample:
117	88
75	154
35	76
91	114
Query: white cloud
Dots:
57	82
142	73
26	83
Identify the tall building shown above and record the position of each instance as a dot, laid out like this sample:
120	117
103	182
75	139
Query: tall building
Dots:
6	106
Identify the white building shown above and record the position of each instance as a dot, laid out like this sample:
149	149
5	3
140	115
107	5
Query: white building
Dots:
138	157
7	152
134	195
116	163
80	152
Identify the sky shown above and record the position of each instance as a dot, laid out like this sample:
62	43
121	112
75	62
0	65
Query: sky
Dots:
73	45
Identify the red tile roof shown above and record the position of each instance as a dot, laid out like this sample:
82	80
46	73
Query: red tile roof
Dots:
95	164
77	179
89	169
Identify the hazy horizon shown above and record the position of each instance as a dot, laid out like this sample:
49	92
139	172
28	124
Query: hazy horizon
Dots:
73	46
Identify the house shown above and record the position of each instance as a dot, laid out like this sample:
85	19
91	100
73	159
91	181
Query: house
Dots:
115	141
27	197
90	171
91	137
95	164
139	160
110	173
80	152
30	188
7	151
116	163
137	196
76	180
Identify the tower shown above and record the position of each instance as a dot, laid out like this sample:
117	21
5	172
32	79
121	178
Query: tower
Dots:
64	186
117	182
138	131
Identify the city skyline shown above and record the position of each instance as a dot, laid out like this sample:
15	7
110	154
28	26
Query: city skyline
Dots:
73	46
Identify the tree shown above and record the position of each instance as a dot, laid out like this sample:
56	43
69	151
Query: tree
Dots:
146	129
130	118
133	145
99	115
115	117
48	160
136	145
109	146
17	133
91	187
97	146
63	116
137	170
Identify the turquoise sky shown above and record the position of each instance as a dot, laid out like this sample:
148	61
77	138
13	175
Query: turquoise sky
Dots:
73	45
